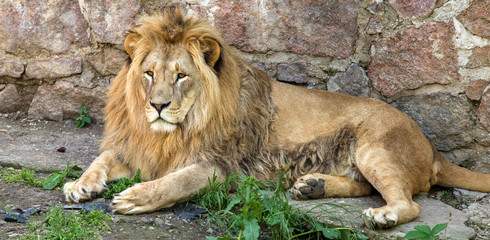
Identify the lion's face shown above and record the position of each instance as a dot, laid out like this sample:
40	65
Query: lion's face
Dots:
172	85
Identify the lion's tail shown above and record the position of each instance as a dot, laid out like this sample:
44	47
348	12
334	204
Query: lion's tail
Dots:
451	175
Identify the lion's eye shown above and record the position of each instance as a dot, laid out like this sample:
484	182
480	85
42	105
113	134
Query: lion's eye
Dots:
149	73
181	75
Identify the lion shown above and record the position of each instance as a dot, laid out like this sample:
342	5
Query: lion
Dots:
186	107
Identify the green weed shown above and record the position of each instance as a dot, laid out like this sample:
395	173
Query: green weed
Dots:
84	117
58	179
121	185
25	176
61	225
257	209
424	232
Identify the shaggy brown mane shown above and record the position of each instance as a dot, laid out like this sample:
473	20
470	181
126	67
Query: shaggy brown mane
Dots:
233	107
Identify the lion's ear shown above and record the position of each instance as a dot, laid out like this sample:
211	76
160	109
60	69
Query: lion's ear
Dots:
130	43
211	51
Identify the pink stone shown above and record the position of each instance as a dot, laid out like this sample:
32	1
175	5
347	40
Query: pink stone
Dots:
53	25
413	9
476	18
413	58
475	90
54	68
109	19
319	28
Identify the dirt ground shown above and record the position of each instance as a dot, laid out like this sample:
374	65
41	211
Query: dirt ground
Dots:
158	225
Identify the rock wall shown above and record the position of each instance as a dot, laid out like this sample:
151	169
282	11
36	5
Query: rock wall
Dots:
428	58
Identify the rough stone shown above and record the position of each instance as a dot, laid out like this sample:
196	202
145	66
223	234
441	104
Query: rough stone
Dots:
319	28
414	57
376	8
54	68
108	61
433	212
62	101
413	9
109	19
10	99
53	25
11	68
294	72
445	119
476	18
475	90
374	26
479	58
483	111
354	82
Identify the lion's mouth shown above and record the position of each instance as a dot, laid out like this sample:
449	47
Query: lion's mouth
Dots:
162	125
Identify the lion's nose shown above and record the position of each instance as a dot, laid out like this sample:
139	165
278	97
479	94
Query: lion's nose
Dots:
159	107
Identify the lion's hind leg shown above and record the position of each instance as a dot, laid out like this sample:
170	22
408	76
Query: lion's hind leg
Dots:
318	185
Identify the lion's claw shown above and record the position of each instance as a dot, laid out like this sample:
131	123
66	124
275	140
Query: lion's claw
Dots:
82	189
379	218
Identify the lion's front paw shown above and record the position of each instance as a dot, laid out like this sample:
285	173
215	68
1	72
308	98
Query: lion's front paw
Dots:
308	187
380	218
83	188
135	200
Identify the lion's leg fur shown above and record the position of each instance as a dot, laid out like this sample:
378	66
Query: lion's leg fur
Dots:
166	191
93	181
380	166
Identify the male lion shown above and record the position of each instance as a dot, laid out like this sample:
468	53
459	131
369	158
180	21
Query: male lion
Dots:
186	107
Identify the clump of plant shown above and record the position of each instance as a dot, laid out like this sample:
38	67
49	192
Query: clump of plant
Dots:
76	225
58	179
25	176
121	185
84	117
424	232
258	209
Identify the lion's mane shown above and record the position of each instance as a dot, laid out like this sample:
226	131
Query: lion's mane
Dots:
228	125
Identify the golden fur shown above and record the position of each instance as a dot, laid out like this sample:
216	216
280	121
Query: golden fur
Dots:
185	107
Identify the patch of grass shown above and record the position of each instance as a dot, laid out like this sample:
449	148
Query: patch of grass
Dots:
27	176
424	232
61	225
121	185
259	209
24	175
84	117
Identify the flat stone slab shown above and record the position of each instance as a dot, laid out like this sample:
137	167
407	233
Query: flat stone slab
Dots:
348	212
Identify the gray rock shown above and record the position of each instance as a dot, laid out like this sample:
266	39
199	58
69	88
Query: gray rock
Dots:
354	82
10	99
62	101
54	68
447	120
11	68
293	72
